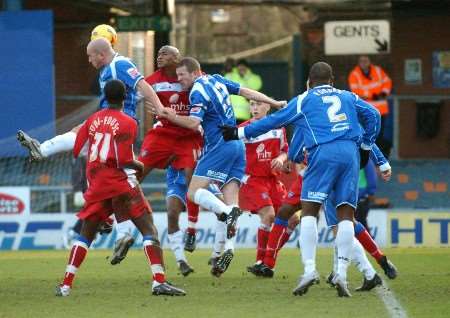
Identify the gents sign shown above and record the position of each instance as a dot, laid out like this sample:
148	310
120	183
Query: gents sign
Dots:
357	37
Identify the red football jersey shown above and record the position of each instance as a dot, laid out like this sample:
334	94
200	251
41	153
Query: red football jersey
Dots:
260	151
110	135
171	95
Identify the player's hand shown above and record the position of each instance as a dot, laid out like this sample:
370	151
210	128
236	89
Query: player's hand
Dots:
152	108
168	113
229	132
363	157
280	104
276	164
386	175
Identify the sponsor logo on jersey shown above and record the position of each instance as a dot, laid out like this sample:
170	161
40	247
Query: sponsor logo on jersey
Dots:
10	204
133	72
262	154
340	127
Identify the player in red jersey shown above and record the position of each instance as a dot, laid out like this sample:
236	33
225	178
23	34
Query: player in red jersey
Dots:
262	192
167	143
113	187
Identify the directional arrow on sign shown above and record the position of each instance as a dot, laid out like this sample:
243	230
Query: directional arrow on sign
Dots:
382	47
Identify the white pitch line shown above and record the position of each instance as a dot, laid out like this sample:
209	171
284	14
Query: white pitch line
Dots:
391	303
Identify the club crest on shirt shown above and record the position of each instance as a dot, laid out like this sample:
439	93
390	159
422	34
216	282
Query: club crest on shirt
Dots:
173	99
133	72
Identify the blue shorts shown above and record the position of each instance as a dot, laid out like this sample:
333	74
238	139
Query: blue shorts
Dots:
223	163
177	187
332	167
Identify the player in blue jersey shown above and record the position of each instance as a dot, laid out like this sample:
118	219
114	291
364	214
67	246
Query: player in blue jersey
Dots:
328	121
111	65
222	162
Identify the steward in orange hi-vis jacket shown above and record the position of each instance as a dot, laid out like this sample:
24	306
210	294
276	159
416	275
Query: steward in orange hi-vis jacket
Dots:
371	83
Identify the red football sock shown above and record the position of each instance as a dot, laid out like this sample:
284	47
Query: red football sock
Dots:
285	237
155	259
369	244
274	244
263	237
192	211
77	255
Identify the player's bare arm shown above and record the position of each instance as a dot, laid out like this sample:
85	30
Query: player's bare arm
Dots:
260	97
182	121
153	104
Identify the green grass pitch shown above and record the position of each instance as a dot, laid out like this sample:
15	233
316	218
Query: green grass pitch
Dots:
28	279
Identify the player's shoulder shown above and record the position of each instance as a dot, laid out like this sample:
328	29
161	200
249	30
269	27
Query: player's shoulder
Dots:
155	77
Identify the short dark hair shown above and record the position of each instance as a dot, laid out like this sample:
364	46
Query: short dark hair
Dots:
191	64
320	73
115	93
242	62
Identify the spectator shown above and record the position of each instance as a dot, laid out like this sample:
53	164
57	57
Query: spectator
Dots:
243	75
371	83
229	66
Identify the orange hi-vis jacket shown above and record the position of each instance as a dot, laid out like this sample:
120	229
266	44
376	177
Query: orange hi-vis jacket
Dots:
369	87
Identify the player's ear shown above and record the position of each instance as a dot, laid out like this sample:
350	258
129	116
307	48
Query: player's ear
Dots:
332	80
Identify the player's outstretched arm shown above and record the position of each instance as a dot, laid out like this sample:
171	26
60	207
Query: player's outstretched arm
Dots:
189	122
260	97
153	104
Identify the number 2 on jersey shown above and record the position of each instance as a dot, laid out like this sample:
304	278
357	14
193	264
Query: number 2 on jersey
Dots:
104	147
332	111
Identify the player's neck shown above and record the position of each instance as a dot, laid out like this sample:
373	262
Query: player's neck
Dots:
169	71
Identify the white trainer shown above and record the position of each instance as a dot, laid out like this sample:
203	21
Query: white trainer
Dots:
306	281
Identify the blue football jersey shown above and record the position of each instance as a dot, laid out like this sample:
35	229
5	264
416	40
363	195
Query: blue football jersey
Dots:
123	69
210	102
321	115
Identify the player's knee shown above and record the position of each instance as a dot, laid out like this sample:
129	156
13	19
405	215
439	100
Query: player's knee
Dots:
268	218
286	211
294	220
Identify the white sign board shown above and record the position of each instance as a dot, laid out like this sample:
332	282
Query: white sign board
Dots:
46	231
14	201
357	37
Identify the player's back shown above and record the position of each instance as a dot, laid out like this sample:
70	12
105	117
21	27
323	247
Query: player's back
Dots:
121	68
110	134
210	101
329	114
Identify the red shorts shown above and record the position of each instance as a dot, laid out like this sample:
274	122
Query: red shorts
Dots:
293	195
160	148
128	205
258	192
